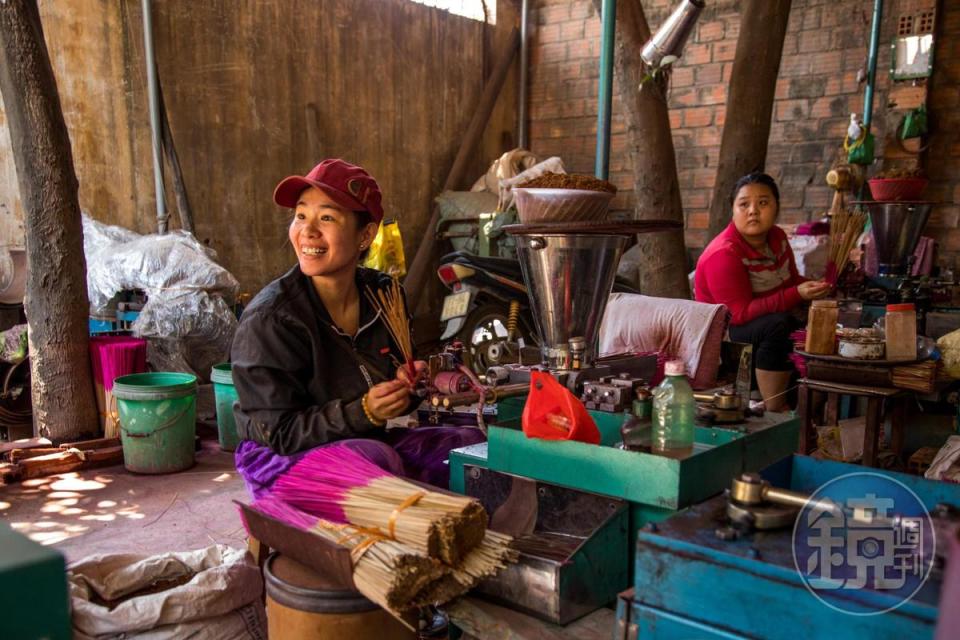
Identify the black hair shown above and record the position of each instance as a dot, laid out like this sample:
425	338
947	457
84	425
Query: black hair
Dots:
363	219
757	177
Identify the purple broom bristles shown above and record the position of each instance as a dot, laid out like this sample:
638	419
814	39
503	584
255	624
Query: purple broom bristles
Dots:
320	481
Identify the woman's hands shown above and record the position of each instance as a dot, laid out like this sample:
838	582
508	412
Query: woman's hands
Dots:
389	399
419	369
814	289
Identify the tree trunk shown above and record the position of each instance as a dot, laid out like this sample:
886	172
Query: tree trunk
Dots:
661	258
753	84
57	308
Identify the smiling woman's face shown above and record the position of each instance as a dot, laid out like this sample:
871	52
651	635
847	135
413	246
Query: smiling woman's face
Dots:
754	211
325	235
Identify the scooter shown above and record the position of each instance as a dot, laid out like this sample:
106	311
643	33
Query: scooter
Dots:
488	310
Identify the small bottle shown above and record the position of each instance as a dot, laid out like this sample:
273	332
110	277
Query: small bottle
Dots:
900	329
637	429
822	327
674	412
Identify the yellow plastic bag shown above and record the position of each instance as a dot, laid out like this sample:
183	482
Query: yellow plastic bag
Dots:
386	252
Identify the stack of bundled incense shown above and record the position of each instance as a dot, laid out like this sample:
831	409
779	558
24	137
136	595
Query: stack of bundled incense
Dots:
338	484
921	376
385	571
393	309
845	228
488	558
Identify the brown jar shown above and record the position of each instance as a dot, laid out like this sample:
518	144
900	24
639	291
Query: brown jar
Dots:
822	327
900	328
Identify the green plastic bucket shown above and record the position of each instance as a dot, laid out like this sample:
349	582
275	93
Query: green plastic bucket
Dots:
158	420
226	394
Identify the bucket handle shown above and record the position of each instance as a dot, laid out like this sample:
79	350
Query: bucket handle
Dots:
163	426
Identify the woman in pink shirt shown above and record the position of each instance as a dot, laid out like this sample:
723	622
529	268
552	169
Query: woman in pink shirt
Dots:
750	268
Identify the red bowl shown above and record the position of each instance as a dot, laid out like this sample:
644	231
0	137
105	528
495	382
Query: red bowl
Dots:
897	189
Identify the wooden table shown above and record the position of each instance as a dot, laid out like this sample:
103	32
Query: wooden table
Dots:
874	419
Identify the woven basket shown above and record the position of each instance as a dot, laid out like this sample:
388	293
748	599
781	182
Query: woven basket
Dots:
897	189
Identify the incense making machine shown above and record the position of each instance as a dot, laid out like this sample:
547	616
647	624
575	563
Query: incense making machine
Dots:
819	547
575	508
896	229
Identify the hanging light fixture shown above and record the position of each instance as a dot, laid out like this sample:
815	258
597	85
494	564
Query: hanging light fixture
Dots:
666	44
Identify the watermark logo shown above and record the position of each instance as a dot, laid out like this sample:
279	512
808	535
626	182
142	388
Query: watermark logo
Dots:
864	532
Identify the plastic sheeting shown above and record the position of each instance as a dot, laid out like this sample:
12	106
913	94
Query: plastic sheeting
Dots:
187	318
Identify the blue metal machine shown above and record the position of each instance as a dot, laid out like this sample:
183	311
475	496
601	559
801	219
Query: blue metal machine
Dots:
691	580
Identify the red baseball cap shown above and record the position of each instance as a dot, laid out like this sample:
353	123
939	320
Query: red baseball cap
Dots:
346	184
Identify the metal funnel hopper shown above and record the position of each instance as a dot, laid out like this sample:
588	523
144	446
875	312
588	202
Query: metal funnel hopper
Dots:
569	278
896	228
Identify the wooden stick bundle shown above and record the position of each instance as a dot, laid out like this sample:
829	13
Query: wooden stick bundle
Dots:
921	376
440	525
391	305
385	571
845	228
339	484
485	561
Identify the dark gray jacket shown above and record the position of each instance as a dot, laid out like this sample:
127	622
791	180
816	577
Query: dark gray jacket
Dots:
299	378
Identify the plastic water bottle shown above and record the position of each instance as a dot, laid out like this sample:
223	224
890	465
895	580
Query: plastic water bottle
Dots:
674	411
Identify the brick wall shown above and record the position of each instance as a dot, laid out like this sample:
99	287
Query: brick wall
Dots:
817	89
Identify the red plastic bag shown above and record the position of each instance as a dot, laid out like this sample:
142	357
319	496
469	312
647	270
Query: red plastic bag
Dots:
553	413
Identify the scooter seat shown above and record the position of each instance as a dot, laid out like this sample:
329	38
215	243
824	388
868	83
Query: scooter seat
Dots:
507	267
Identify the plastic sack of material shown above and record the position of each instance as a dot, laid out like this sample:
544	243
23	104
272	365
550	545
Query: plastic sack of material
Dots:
949	346
211	593
186	331
812	254
187	317
506	166
13	344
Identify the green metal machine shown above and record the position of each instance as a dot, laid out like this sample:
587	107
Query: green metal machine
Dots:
515	477
33	589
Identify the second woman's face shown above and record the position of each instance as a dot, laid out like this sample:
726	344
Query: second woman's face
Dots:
325	236
754	211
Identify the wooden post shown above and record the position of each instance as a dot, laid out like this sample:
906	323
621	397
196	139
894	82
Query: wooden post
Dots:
753	84
662	257
427	253
57	308
170	151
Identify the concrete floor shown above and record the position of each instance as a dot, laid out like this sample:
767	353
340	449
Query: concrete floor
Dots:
110	510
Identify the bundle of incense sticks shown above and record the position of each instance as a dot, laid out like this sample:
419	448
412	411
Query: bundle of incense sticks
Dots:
338	484
845	228
921	376
392	306
389	573
392	574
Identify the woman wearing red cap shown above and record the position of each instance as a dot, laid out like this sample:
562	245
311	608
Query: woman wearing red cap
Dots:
313	362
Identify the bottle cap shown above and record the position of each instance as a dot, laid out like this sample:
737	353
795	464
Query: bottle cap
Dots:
906	306
675	368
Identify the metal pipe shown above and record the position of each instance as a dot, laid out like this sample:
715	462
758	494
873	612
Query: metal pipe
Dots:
872	62
608	15
523	135
491	395
153	98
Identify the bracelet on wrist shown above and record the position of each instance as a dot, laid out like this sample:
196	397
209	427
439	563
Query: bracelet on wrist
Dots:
366	410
